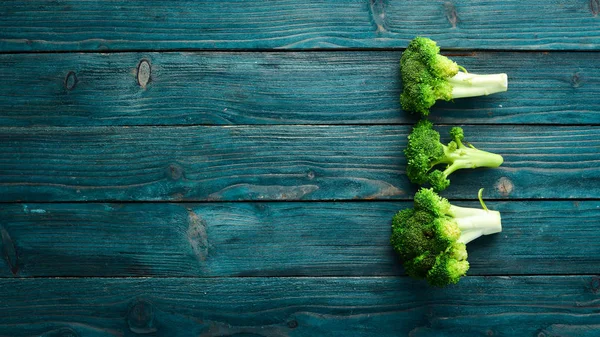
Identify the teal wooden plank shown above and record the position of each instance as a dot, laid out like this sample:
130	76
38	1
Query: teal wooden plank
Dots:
281	163
236	24
276	239
478	306
281	88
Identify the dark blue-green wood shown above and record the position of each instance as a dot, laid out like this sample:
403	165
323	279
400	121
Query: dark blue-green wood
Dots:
37	25
278	307
276	239
281	88
281	163
79	128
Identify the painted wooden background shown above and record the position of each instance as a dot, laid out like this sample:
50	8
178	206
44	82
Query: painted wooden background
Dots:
230	168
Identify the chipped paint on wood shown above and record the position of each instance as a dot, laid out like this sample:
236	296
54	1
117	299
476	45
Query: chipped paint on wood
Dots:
197	236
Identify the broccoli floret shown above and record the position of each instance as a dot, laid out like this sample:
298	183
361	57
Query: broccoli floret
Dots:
431	237
428	76
424	151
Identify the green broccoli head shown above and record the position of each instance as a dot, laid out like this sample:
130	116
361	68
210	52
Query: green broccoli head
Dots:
428	76
438	180
427	200
457	134
424	152
430	238
425	76
423	234
426	244
427	53
450	267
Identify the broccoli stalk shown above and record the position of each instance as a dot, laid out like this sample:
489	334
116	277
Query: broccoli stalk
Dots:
474	222
425	151
428	76
431	237
473	85
458	156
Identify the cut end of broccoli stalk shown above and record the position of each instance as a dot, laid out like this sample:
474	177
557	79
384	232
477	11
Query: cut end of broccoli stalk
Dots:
474	222
472	85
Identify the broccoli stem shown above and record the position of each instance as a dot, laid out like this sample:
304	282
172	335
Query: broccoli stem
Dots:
471	85
474	222
468	157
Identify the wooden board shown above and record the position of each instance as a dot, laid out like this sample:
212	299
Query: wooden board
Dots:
146	149
281	88
281	163
276	239
37	25
479	306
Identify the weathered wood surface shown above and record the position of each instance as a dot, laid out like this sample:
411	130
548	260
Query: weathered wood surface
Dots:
94	146
276	239
281	88
38	25
281	163
479	306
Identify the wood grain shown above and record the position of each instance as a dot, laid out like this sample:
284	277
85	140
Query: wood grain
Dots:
281	88
277	239
478	306
281	163
38	25
191	102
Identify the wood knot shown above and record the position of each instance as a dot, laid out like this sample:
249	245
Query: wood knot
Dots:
67	333
62	332
293	324
595	7
141	318
451	14
70	80
595	285
8	251
504	186
143	73
174	172
378	15
576	80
